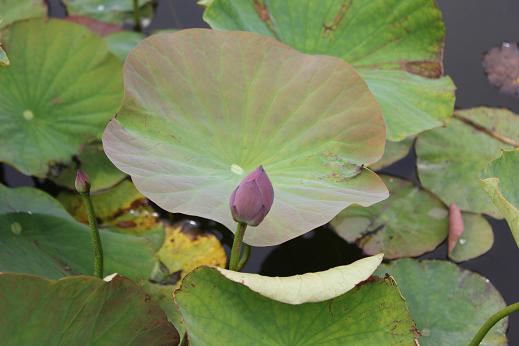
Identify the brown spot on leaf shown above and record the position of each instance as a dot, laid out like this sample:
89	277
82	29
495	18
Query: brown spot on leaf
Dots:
339	16
429	69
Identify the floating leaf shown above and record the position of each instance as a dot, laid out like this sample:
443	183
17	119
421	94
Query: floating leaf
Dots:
204	108
390	43
394	152
502	186
111	11
310	287
409	223
451	159
93	161
449	304
13	10
477	238
218	311
50	104
79	310
121	43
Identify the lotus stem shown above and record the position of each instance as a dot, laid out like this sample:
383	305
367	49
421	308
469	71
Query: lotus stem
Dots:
137	16
96	239
492	321
244	257
236	246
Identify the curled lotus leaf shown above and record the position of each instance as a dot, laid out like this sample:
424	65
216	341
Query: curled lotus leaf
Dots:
395	45
204	108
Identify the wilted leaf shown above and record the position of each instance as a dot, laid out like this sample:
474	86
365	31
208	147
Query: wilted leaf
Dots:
92	160
502	185
79	310
218	311
50	103
449	304
395	45
409	223
13	10
204	108
477	238
450	160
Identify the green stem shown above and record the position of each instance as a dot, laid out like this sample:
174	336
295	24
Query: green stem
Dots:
137	16
244	257
491	321
96	239
236	246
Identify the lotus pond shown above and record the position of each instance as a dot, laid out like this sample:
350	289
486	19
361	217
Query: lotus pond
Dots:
259	172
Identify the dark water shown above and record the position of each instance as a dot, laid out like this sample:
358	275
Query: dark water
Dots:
473	27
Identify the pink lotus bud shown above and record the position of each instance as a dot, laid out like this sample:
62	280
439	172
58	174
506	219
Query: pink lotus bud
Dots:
456	227
251	200
82	182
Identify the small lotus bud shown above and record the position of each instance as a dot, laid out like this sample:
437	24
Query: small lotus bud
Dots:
82	182
251	200
456	227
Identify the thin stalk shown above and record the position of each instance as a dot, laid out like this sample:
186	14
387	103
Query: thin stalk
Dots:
236	246
137	16
492	321
96	239
244	257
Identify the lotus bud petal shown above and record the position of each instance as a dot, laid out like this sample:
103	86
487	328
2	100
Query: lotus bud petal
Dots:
251	200
82	182
456	226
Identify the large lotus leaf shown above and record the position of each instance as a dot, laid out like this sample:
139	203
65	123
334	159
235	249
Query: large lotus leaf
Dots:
204	108
450	160
394	151
112	11
409	223
51	103
79	310
449	304
218	311
94	162
477	238
13	10
395	45
502	185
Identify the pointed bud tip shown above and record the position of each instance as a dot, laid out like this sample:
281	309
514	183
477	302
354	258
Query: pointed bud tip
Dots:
82	182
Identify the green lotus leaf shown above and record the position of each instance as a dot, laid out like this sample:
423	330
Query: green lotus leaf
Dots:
50	103
79	310
13	10
204	108
501	184
122	42
394	152
395	45
92	160
111	11
477	238
450	160
218	311
409	223
449	304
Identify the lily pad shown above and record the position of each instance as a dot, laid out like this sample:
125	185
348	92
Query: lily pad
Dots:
111	11
121	43
13	10
394	152
218	311
51	104
92	160
502	186
449	304
395	45
79	311
409	223
204	108
450	160
477	238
